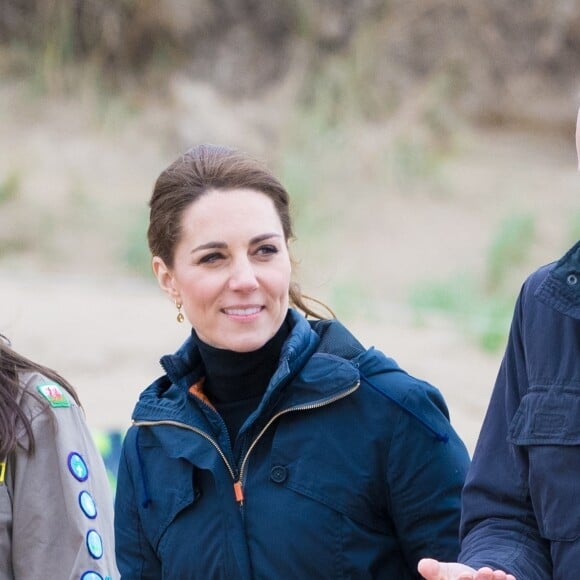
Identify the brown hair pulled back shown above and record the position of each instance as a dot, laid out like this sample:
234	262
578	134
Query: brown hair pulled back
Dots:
206	168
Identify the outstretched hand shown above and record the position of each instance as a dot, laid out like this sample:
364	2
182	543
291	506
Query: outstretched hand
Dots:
434	570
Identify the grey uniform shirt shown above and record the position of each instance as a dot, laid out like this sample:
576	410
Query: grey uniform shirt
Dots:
56	509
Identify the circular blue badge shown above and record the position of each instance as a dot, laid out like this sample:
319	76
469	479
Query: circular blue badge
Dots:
90	575
88	504
94	544
77	466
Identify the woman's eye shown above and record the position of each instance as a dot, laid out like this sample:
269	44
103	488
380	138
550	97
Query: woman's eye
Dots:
210	258
267	249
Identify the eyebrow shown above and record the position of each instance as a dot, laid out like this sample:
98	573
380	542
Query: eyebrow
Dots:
223	245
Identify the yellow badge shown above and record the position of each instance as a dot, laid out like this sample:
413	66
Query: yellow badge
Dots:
2	471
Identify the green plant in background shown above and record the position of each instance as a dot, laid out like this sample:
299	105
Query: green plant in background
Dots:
136	254
412	162
56	48
350	300
575	228
10	186
296	175
510	247
312	146
83	208
109	444
299	176
483	311
447	297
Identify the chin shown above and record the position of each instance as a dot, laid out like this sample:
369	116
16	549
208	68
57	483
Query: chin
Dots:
246	345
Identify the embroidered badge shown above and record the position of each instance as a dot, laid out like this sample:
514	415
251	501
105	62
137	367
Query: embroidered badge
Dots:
88	505
91	575
54	395
77	466
2	471
94	544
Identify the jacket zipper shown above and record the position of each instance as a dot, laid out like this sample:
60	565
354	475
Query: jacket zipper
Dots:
238	482
189	428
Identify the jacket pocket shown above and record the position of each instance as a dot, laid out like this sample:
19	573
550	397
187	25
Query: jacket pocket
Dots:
170	488
326	466
334	507
547	427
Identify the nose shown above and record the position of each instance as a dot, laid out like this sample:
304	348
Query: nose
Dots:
243	277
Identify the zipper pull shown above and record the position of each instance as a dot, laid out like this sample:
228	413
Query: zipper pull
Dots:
239	492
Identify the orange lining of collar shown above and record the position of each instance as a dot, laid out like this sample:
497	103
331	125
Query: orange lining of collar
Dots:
197	391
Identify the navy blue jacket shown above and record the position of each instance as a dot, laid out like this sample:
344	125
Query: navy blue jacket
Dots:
349	468
521	503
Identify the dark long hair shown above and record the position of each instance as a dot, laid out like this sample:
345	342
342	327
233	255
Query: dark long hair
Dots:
206	168
12	416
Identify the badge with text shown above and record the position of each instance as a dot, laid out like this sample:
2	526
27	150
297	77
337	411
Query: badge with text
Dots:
54	394
2	471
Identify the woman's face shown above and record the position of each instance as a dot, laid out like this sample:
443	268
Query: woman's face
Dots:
231	269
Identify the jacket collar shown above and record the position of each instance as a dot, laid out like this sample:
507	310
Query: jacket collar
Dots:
307	360
561	288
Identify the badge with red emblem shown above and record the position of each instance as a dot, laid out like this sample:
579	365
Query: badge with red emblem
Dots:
54	395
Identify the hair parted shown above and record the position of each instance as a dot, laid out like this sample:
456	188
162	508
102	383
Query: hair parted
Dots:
198	171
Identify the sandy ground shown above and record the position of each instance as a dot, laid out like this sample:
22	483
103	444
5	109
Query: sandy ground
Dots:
106	337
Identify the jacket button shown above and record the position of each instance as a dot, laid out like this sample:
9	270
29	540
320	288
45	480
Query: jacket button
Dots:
278	474
572	279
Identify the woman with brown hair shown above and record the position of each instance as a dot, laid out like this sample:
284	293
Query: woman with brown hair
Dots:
275	445
55	502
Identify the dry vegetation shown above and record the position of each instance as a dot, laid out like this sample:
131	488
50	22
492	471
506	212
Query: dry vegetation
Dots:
495	55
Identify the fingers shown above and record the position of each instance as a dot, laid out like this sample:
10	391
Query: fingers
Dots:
489	574
429	569
433	570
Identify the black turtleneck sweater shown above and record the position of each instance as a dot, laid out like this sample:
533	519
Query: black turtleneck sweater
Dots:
235	382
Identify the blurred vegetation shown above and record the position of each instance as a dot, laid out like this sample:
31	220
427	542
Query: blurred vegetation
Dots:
109	444
369	55
11	240
574	234
10	187
510	247
135	255
482	308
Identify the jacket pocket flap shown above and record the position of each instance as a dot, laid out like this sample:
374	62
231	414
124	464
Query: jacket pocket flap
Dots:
170	487
547	418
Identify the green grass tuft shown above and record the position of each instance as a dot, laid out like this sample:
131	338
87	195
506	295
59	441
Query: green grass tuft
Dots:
481	311
10	187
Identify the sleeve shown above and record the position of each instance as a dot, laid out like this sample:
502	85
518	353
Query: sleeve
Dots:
498	527
135	556
426	475
62	519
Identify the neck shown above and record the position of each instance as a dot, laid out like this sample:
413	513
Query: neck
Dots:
234	376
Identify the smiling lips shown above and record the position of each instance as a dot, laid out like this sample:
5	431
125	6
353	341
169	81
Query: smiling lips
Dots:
243	311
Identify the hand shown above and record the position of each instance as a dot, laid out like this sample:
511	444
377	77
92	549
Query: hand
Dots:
434	570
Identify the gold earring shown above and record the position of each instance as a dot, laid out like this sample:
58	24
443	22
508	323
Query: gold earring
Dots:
180	317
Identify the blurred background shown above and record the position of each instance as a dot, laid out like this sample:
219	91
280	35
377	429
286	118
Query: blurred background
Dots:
428	147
